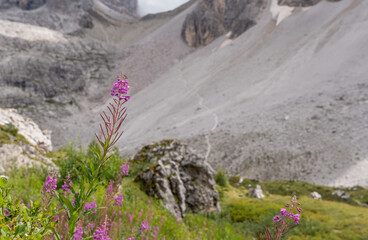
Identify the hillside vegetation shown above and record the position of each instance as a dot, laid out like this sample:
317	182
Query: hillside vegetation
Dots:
242	217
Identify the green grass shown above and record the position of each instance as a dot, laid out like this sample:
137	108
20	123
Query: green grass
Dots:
241	217
320	219
4	138
289	188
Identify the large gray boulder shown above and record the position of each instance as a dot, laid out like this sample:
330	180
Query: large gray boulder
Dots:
315	195
181	178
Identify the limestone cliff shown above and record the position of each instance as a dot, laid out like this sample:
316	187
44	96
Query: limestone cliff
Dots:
213	18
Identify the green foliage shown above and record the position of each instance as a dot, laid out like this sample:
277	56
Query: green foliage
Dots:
9	128
73	159
9	134
234	180
221	178
240	211
289	188
27	182
241	217
17	221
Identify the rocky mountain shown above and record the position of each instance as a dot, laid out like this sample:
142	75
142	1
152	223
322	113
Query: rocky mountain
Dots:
266	89
213	18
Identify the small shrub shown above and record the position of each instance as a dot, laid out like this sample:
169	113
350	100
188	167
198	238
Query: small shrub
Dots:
221	178
234	180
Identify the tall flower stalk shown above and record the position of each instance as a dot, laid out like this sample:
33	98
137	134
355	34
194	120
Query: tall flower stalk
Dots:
110	134
288	219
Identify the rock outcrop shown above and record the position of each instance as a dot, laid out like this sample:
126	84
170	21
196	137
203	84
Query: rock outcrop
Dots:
28	128
181	178
213	18
256	192
342	194
315	195
22	143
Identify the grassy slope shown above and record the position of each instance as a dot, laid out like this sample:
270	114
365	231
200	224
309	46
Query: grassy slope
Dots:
241	218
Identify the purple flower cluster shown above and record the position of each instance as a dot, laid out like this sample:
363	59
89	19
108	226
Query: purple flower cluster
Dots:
144	226
101	233
289	214
90	226
50	185
90	206
66	186
119	200
78	234
120	88
109	191
295	217
124	169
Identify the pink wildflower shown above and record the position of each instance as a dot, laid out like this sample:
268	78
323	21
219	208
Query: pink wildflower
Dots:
50	185
119	200
125	169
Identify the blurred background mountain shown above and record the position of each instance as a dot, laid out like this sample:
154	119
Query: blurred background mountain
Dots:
266	89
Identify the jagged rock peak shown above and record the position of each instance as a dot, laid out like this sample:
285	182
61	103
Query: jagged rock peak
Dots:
181	178
213	18
122	6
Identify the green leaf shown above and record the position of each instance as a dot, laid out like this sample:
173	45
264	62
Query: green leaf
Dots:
20	230
72	223
94	189
56	235
65	203
3	182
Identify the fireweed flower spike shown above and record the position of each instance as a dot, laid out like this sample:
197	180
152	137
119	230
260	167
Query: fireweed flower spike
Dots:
112	124
80	206
284	222
50	185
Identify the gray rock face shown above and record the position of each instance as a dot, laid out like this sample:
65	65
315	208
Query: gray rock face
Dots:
23	4
126	6
65	15
298	3
41	67
213	18
46	62
123	6
180	177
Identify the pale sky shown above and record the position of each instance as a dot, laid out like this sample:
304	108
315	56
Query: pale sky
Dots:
155	6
